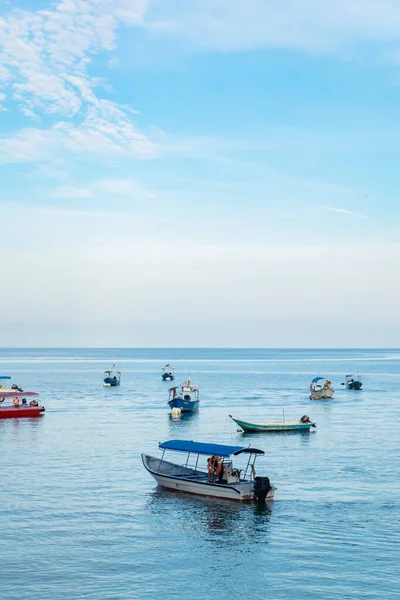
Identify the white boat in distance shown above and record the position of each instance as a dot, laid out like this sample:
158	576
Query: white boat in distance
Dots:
321	388
220	480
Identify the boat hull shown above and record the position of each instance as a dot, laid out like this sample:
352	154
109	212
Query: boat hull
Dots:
272	427
242	491
184	405
321	394
18	412
167	377
355	385
108	383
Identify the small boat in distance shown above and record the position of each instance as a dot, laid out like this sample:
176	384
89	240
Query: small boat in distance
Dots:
113	378
19	407
168	373
14	386
321	388
217	479
353	382
273	426
187	400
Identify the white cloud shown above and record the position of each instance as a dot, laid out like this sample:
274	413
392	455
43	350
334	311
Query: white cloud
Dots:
305	24
71	192
343	211
45	57
123	187
128	188
94	136
346	212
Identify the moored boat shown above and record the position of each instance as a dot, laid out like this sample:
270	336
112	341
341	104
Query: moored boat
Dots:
19	407
113	378
168	373
187	399
321	388
217	479
353	382
304	424
12	388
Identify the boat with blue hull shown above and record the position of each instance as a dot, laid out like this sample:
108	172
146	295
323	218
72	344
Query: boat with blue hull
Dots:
353	382
304	424
168	373
185	400
217	478
113	378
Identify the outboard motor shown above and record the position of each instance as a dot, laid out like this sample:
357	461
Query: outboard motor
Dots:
262	486
305	419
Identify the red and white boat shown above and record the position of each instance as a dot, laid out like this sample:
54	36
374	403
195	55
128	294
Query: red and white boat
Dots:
19	407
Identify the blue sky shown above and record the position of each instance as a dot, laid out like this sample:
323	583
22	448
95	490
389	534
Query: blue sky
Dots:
200	173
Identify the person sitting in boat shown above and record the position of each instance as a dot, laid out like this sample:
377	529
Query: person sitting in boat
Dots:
215	470
33	403
327	384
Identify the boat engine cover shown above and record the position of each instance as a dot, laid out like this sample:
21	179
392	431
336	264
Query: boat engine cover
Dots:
262	486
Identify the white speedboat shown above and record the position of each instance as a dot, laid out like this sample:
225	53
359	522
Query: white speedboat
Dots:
219	479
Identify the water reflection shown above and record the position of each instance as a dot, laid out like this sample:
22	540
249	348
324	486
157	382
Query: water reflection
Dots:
15	426
214	518
276	434
181	423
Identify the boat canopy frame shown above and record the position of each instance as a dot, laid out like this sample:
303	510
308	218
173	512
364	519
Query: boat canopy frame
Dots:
205	449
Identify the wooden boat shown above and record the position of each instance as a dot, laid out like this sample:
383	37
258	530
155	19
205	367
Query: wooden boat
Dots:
19	407
113	378
272	426
321	388
168	373
187	400
353	382
217	479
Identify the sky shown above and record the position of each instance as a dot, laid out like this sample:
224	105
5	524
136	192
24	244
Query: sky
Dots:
186	173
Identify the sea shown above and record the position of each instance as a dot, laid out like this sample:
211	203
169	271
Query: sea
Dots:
80	517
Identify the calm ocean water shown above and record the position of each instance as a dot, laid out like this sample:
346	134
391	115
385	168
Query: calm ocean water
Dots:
81	519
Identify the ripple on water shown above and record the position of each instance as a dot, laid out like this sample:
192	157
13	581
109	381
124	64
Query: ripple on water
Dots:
81	518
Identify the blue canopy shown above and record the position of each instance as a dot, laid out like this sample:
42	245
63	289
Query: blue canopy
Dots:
317	379
200	447
4	377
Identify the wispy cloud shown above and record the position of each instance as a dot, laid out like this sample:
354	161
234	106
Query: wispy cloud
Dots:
44	59
93	136
71	192
65	212
311	25
128	188
345	212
